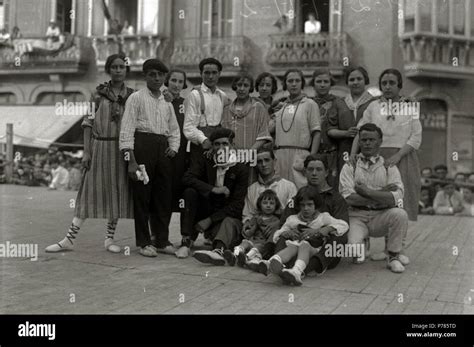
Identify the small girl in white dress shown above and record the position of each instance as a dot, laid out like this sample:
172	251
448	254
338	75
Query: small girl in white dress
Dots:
305	233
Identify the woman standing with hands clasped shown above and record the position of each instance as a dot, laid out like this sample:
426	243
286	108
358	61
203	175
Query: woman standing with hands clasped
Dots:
104	191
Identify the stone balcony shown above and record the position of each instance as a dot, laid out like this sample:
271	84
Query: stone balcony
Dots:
33	56
308	52
137	48
233	52
438	56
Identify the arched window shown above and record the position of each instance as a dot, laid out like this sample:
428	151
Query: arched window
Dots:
7	99
50	98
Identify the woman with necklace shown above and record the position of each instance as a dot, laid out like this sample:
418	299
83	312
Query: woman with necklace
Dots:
247	117
297	128
343	129
104	191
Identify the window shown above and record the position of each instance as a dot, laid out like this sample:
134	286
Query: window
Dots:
425	9
50	98
409	16
216	18
459	15
63	15
2	15
443	16
319	8
7	99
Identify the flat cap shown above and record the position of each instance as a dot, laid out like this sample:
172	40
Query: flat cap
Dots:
154	64
219	133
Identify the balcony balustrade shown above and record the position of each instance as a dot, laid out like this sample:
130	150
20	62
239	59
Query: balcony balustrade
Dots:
441	56
308	51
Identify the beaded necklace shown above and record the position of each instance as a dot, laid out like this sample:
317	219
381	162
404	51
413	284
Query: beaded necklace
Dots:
294	116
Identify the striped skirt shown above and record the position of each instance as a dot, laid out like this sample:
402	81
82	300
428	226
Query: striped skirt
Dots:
409	168
105	191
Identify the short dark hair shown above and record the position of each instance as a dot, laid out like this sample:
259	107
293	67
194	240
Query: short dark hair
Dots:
219	133
207	61
266	150
268	194
362	70
316	157
242	76
308	193
440	167
393	72
303	82
110	60
264	75
371	127
154	64
168	76
321	71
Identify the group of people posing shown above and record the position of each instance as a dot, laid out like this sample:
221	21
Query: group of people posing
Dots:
329	171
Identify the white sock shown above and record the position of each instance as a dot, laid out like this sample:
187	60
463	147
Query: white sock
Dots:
237	250
277	257
299	266
254	254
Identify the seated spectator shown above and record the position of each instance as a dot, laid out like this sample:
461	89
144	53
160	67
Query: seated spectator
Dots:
127	29
312	26
448	200
470	179
60	176
257	231
75	175
468	202
214	200
425	205
16	34
375	196
426	174
52	34
459	178
441	171
305	234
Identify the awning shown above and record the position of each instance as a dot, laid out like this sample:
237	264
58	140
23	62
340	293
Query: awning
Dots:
35	126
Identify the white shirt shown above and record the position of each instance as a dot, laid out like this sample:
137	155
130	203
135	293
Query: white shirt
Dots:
284	189
60	178
214	106
312	27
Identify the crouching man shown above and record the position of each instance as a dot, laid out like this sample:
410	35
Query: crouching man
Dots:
375	196
214	199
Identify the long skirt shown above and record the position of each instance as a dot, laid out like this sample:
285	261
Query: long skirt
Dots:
290	165
105	191
409	168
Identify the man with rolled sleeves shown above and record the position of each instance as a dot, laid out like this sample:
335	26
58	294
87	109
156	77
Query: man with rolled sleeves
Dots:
150	136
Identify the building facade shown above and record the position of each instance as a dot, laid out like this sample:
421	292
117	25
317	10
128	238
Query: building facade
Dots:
430	41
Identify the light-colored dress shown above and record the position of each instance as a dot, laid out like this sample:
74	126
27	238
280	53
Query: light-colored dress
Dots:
105	190
399	130
322	220
295	124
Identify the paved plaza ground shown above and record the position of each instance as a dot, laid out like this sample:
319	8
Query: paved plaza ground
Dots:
439	280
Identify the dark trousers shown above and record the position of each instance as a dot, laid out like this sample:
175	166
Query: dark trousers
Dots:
153	198
319	262
198	208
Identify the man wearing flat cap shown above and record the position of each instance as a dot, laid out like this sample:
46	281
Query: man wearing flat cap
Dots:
214	199
150	136
204	107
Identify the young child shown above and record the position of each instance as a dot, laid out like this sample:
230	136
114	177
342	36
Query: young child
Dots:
259	232
305	235
60	176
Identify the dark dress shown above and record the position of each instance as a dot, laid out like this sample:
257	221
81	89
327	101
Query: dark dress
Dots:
328	146
180	162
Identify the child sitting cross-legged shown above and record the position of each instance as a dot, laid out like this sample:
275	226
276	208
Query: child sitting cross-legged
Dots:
305	234
257	232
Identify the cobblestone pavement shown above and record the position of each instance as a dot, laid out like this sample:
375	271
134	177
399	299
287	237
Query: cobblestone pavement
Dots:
439	280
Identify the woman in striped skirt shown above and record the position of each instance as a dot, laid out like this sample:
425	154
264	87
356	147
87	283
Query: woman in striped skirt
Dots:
104	191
